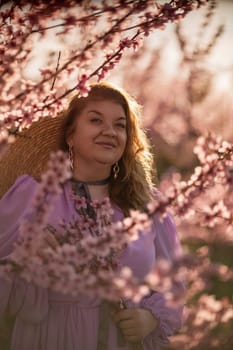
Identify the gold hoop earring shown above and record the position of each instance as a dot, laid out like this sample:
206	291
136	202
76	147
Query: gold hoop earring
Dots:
116	170
71	157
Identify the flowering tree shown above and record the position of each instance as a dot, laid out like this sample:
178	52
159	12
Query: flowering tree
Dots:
202	197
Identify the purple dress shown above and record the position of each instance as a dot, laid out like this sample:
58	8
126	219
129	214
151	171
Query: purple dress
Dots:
47	320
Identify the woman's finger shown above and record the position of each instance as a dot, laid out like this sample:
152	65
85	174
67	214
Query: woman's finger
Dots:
51	240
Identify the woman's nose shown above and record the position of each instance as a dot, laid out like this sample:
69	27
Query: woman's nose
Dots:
109	129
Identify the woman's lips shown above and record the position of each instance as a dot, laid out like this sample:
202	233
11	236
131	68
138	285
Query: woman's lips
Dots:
106	145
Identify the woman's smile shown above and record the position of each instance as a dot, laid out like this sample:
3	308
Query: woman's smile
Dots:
106	145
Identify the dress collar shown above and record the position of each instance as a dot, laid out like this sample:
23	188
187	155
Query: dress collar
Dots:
92	183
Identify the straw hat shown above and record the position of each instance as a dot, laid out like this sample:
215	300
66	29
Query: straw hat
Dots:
30	152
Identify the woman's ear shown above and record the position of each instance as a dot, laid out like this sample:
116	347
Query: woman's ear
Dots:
69	140
69	135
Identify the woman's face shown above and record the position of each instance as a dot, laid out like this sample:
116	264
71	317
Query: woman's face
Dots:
99	133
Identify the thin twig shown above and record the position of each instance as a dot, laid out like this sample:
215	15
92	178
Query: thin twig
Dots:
55	76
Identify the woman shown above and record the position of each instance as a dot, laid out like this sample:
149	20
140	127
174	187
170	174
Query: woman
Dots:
110	156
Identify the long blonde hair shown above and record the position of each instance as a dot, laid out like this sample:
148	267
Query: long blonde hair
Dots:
132	189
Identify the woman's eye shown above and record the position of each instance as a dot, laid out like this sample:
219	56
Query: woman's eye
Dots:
120	125
96	120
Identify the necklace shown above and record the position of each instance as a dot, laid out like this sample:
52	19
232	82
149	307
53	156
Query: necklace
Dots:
92	183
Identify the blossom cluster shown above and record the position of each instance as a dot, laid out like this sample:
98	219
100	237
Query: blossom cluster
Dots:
216	164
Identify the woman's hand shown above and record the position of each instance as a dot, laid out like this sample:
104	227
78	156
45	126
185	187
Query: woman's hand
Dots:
135	324
51	240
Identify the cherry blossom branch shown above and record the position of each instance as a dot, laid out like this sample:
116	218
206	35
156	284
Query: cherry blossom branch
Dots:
169	11
88	47
72	21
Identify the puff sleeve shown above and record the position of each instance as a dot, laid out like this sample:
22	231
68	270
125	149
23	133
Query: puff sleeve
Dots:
17	296
13	208
170	319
